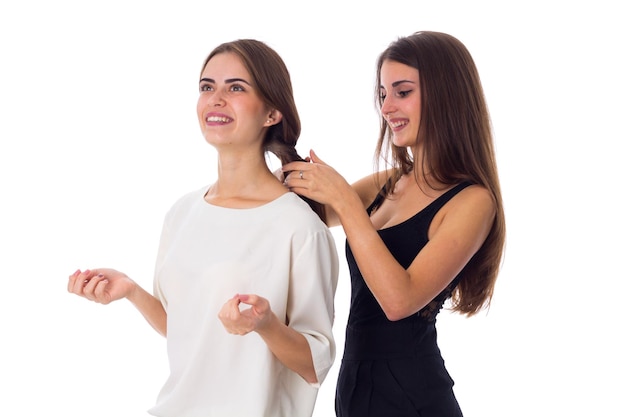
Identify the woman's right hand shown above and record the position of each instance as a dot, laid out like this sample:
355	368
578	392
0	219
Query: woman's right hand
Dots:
316	180
319	181
100	285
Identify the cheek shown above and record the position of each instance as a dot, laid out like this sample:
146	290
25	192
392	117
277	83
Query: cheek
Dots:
200	109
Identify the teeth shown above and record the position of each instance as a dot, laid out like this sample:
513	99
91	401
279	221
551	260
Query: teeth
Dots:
217	119
397	124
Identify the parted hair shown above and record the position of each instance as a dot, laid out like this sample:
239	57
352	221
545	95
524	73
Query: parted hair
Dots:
273	83
457	143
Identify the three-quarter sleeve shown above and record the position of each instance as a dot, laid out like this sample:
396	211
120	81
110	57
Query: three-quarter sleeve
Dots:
164	243
310	309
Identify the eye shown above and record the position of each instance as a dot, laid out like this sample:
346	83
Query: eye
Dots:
237	87
382	95
404	93
206	87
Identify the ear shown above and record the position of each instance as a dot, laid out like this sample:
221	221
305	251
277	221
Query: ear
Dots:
273	118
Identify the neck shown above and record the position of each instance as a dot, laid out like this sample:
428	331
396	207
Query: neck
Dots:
242	175
420	174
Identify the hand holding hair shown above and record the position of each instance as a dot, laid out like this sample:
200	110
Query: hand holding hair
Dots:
316	180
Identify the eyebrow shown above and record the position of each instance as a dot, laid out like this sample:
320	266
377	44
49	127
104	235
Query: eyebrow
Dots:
397	83
227	81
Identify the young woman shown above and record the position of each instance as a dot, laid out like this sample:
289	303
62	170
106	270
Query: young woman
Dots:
241	256
428	229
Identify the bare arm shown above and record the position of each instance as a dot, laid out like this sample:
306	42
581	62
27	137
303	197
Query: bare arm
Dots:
464	225
106	285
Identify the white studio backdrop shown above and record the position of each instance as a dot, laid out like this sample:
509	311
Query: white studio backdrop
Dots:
98	137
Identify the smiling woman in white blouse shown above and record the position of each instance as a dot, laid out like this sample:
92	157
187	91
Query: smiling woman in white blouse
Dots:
246	270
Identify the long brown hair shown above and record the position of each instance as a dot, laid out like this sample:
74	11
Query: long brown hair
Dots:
273	82
456	138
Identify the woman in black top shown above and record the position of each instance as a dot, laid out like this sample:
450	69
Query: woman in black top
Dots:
427	229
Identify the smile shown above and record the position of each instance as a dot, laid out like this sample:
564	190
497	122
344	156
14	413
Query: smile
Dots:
397	124
218	119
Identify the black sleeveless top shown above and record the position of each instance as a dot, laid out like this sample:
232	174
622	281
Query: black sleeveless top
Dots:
395	368
404	241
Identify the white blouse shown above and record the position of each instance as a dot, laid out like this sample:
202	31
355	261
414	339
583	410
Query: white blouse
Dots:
281	251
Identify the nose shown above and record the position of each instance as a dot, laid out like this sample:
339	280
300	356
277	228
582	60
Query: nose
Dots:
387	107
216	99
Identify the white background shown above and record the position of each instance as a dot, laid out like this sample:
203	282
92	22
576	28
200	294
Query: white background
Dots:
98	136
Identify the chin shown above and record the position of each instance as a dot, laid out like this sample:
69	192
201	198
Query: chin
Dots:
403	143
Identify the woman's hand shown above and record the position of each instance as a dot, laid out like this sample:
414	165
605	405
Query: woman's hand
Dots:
316	180
289	346
242	322
320	182
100	285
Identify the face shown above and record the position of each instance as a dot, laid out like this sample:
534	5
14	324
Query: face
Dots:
230	110
401	101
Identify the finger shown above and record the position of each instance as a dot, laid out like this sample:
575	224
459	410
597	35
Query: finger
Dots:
259	304
316	159
79	281
250	299
295	166
299	179
89	290
72	278
230	309
100	291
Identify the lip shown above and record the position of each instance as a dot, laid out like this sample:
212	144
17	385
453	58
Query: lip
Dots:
217	119
397	124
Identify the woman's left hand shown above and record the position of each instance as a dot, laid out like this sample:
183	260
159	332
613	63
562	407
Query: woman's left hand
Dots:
242	322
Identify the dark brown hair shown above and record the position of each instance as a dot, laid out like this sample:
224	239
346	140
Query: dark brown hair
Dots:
457	143
273	83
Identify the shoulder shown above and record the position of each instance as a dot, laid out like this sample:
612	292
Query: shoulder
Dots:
296	218
293	217
187	200
296	213
474	203
475	195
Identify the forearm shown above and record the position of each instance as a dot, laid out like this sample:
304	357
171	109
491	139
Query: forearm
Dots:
389	282
290	348
151	308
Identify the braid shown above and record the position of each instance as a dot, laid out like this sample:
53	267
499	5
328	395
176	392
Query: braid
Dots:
287	153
